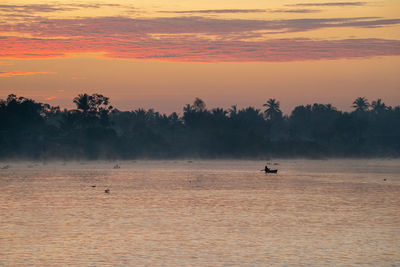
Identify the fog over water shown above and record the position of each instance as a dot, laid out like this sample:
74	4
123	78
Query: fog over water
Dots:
200	213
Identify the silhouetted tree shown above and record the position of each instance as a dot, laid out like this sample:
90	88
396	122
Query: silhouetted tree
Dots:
82	102
361	104
199	105
233	111
272	110
378	106
96	130
95	104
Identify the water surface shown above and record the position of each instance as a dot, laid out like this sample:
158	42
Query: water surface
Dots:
201	213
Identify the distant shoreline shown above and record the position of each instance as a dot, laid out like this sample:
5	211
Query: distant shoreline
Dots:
97	130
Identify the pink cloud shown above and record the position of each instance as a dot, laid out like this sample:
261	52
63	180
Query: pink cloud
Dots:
200	50
20	73
187	39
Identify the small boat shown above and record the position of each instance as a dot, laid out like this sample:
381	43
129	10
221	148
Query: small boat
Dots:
268	170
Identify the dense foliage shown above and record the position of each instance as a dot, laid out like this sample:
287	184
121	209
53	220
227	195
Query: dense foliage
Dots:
96	130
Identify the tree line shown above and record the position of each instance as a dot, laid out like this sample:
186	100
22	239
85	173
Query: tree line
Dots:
97	130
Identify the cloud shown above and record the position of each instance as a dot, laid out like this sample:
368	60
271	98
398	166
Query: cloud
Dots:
141	30
48	8
34	8
302	10
205	11
94	5
8	74
50	98
120	27
330	4
190	39
272	50
219	11
202	50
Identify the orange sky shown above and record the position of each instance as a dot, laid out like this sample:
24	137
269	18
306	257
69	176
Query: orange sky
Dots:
162	55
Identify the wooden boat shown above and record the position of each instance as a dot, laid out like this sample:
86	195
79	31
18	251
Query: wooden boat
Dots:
271	171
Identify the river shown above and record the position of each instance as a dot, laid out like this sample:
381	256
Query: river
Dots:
200	213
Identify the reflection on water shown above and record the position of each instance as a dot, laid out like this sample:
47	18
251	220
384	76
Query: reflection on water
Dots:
201	213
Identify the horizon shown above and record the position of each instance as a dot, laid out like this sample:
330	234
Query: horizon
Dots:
260	107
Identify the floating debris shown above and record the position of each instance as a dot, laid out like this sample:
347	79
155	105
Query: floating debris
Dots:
116	166
93	186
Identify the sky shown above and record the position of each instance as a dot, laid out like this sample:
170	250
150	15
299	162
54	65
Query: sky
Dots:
163	54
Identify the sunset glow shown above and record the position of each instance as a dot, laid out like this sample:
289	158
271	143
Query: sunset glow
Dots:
162	55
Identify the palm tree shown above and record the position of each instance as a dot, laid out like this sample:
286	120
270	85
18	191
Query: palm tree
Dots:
82	102
361	104
272	110
378	106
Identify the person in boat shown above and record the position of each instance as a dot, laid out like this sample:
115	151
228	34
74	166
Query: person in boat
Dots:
266	169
